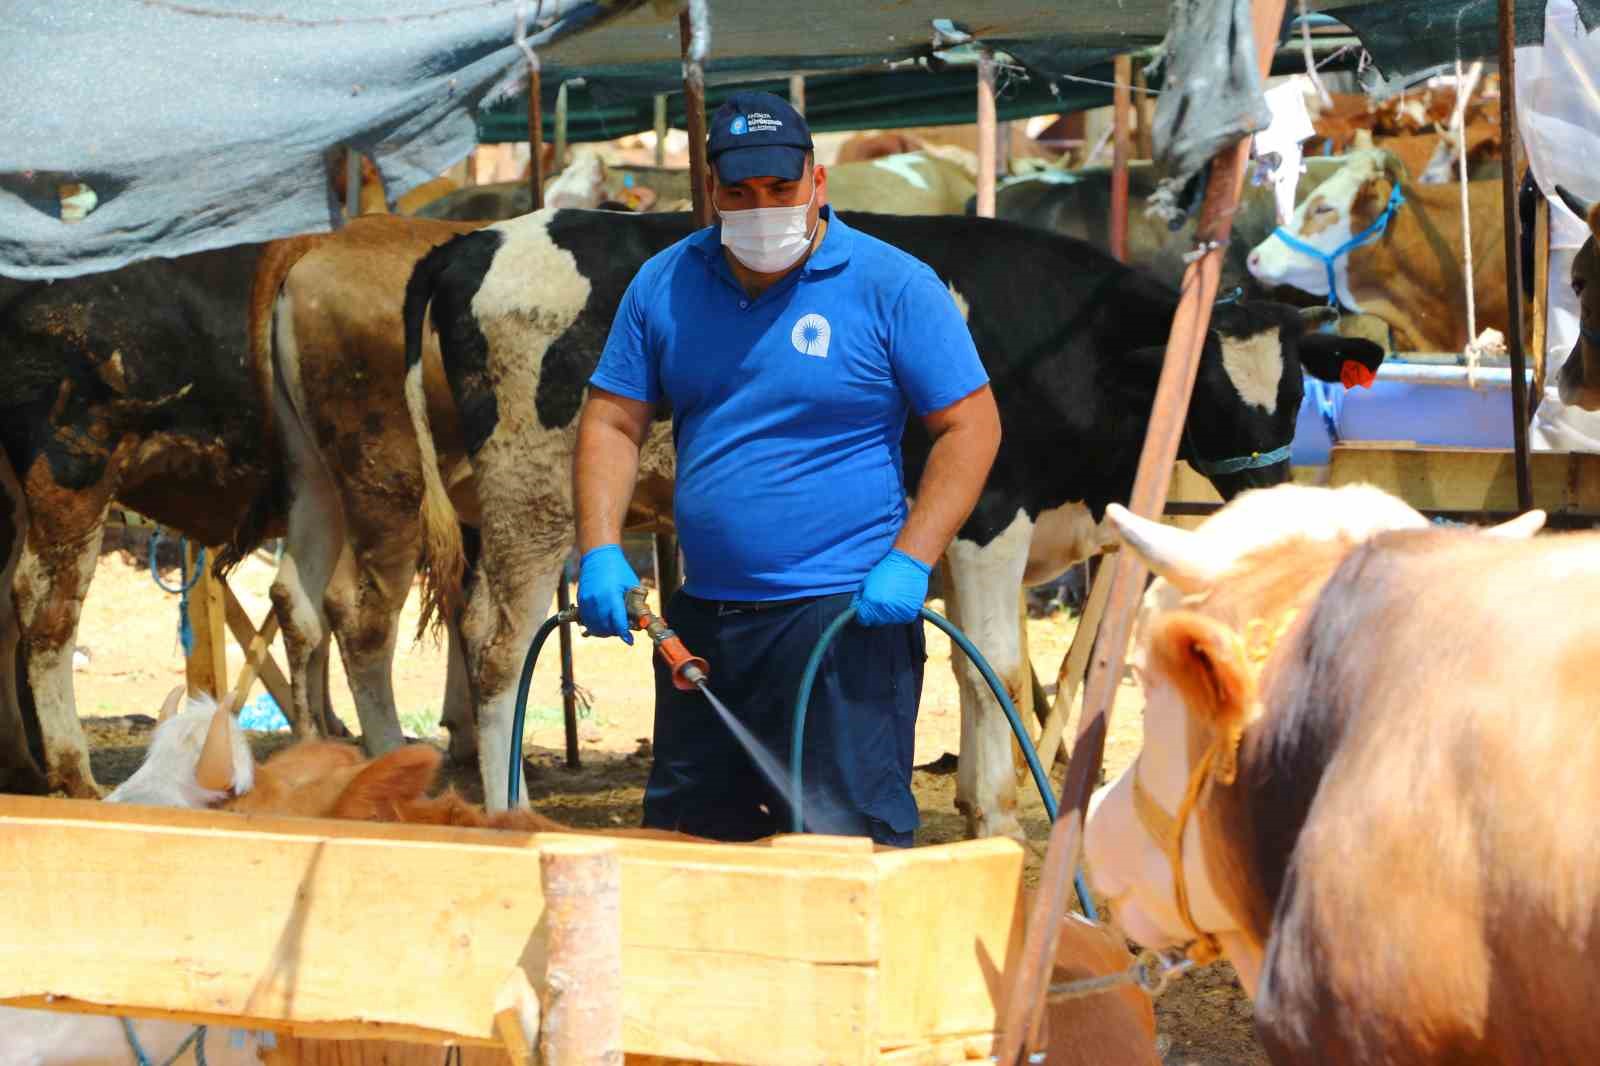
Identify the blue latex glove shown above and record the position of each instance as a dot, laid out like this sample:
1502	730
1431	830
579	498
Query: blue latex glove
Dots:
893	591
604	578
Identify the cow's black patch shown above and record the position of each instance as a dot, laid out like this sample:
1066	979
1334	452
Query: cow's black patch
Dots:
449	276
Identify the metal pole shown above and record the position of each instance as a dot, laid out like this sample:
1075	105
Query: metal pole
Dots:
352	182
694	105
569	683
986	134
1147	113
1022	1011
661	129
1508	192
560	162
535	140
797	92
1120	149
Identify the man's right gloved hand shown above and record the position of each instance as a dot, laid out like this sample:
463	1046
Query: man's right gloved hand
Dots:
604	578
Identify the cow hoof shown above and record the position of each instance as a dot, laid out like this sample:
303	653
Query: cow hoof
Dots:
23	781
999	824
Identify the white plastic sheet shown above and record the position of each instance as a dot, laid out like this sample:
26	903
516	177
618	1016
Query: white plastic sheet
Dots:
1558	105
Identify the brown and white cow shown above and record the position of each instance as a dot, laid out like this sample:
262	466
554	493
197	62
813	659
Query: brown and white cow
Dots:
327	317
1369	756
1411	275
1578	380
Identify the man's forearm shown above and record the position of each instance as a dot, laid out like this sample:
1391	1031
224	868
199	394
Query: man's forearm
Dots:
605	466
958	465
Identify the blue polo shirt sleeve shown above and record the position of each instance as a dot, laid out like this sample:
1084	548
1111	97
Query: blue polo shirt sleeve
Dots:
930	348
629	364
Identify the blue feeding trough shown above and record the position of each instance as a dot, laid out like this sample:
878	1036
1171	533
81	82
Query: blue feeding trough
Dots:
263	715
1423	403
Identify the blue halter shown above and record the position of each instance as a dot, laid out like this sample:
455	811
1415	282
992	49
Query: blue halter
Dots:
1253	461
1379	224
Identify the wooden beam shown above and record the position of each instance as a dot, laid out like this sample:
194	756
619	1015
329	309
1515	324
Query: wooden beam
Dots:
1145	105
1540	329
1020	1032
1515	338
206	669
352	183
1121	147
661	129
1470	480
986	134
535	138
694	106
569	680
581	1008
258	658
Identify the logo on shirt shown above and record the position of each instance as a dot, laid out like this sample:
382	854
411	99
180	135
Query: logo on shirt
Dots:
810	336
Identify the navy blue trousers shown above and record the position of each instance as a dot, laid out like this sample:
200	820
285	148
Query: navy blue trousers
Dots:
860	723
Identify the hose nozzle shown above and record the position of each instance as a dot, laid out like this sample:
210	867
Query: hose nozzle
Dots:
687	670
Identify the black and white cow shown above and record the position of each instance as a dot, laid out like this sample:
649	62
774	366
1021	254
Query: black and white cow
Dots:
1073	343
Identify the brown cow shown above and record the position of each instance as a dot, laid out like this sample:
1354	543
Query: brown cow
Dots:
1367	757
1578	380
327	315
1412	274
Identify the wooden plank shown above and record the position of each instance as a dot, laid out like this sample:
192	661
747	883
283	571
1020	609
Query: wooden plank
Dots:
257	645
823	842
582	1009
952	925
284	929
1470	480
961	1049
709	1007
207	667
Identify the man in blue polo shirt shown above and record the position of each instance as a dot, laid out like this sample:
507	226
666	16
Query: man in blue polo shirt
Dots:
791	350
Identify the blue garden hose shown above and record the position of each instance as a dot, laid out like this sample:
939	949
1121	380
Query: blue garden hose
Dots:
514	788
803	699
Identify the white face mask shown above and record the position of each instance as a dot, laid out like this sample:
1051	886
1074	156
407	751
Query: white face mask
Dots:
768	239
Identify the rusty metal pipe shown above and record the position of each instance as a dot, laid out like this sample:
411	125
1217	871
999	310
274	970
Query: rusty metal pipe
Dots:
1508	192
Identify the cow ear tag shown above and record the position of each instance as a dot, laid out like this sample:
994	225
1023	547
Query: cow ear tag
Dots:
1356	374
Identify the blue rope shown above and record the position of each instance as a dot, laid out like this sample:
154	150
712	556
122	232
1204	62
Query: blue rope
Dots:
185	583
197	1038
803	700
1253	461
1379	224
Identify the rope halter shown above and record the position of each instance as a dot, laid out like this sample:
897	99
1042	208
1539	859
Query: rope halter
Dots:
1218	765
1329	259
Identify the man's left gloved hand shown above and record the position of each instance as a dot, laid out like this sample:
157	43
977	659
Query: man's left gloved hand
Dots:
893	591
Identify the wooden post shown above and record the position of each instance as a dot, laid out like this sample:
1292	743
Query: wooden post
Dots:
1508	192
560	162
535	138
986	134
352	182
569	683
1120	149
1069	678
1146	105
581	1016
207	667
1025	993
694	107
661	129
1540	330
257	647
797	92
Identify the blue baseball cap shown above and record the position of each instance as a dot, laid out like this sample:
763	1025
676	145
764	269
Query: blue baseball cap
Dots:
755	135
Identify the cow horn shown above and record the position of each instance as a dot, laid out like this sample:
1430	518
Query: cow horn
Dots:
1175	554
169	706
1575	205
214	772
1519	528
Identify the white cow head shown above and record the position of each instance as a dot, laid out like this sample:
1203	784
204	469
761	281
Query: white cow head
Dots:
1335	211
582	184
196	759
1199	677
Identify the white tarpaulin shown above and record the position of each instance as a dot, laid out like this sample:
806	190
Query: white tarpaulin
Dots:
1558	112
203	124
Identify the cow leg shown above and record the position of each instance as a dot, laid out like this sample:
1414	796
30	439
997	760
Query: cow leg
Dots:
18	771
53	571
457	714
498	627
299	594
984	582
364	605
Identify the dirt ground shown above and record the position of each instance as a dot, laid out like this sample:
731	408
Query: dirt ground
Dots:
129	629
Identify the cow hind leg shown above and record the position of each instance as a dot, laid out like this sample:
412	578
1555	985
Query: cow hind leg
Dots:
299	591
457	713
984	583
498	628
364	605
18	771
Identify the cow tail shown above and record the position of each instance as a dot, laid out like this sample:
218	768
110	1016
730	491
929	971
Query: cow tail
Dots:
443	555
